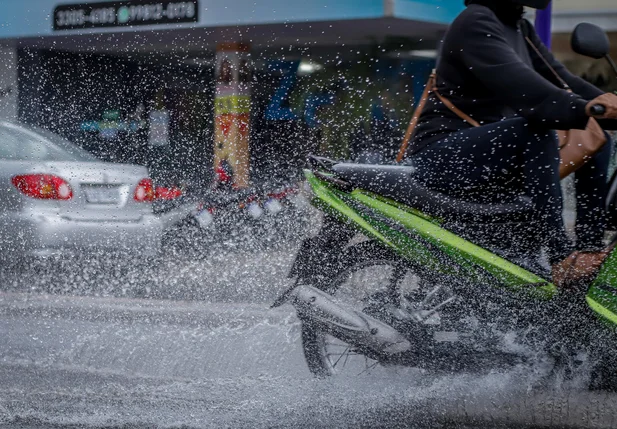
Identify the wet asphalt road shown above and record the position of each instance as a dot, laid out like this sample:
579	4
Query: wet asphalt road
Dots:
113	362
81	347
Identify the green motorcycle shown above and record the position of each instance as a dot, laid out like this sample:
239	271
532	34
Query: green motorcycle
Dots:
402	275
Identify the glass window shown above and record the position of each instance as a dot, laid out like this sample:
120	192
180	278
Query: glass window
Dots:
22	143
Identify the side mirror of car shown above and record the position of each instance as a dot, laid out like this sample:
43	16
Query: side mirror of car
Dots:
590	40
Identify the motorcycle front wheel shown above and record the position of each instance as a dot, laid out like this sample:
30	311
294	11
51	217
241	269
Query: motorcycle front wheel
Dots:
446	321
373	280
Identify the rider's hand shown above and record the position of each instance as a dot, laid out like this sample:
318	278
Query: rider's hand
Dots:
609	101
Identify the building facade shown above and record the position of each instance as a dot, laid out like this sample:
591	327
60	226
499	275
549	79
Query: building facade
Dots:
135	80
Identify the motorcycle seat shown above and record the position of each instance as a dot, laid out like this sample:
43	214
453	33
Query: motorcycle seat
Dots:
398	183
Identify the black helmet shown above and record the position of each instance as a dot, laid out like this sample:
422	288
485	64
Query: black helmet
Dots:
536	4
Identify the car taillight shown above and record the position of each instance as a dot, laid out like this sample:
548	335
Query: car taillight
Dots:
163	193
43	186
144	191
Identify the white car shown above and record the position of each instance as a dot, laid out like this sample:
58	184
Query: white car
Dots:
56	198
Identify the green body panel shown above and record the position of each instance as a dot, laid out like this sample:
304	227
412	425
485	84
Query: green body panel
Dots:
420	229
462	251
602	295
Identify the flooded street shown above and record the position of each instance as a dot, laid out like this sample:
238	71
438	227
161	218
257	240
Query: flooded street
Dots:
224	359
311	214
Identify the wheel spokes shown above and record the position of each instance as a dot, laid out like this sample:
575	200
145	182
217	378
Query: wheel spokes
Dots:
371	286
344	354
341	356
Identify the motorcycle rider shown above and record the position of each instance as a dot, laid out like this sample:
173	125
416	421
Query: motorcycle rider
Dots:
486	70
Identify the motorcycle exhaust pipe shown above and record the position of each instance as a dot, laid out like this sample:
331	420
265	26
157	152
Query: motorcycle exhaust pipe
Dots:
347	324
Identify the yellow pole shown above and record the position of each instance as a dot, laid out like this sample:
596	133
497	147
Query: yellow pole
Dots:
232	110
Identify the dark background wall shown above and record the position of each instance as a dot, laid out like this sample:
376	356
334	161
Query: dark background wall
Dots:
62	91
69	92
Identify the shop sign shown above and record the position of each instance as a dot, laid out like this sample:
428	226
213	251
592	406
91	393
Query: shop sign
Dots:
124	13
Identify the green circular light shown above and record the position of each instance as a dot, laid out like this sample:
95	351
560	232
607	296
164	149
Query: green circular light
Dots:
123	15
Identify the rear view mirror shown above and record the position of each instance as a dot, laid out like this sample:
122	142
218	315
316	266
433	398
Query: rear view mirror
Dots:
590	40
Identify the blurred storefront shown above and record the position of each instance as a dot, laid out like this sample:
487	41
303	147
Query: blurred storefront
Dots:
134	80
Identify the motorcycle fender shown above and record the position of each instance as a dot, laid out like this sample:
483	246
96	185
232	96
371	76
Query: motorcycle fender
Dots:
318	256
317	259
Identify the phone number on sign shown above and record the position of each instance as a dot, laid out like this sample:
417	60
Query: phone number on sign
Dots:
126	14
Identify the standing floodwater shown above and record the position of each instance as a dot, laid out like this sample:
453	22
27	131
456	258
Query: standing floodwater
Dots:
224	359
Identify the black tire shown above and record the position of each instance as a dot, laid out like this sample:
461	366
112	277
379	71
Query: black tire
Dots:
313	352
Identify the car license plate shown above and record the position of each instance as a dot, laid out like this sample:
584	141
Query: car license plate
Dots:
102	194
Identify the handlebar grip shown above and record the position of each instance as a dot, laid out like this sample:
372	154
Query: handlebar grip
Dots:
597	110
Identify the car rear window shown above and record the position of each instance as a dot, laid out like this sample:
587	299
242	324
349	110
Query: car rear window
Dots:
26	144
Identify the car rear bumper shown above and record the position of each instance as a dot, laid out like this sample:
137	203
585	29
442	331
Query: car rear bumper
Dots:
49	235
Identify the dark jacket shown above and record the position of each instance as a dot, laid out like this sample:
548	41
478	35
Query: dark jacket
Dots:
487	70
